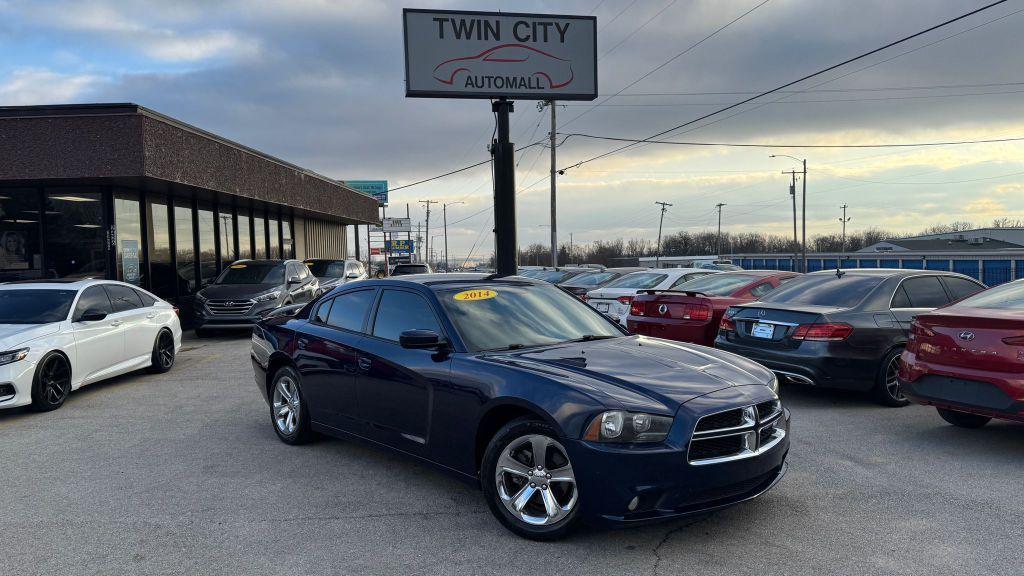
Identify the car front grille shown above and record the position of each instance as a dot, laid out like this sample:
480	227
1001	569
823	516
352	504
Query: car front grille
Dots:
229	307
737	433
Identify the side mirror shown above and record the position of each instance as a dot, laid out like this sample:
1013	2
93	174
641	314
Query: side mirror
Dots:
352	275
92	315
294	280
419	339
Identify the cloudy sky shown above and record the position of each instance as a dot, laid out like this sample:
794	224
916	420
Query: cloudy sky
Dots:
320	83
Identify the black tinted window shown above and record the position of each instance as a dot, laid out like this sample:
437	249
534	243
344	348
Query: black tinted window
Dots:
35	306
900	298
323	311
1008	296
400	311
122	297
961	288
349	309
253	273
925	292
93	298
828	289
761	289
147	300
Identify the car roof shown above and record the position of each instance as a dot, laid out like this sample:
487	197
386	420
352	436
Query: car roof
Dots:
453	278
60	283
884	272
761	272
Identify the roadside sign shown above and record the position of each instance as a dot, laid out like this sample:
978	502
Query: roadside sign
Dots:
460	54
393	225
376	252
376	188
400	246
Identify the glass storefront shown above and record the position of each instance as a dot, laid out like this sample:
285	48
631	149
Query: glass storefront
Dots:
164	279
244	235
228	252
259	234
128	249
184	245
74	234
287	244
20	221
273	230
207	246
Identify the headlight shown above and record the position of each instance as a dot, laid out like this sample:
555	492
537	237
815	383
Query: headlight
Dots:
13	356
628	427
773	384
267	297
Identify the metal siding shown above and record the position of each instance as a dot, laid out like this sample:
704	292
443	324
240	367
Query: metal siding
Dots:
888	263
996	272
815	264
968	267
868	263
914	264
937	265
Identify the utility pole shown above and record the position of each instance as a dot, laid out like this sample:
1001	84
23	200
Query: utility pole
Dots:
419	242
796	242
718	239
503	153
844	220
551	144
444	215
428	203
570	248
657	254
803	162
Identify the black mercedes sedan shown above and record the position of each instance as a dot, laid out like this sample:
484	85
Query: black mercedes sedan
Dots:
841	329
513	384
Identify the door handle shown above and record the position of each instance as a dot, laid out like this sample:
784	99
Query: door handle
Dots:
116	323
302	343
151	316
365	363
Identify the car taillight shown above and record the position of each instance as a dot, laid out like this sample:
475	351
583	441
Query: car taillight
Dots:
823	332
727	324
627	300
916	329
636	308
1014	340
584	297
697	312
176	313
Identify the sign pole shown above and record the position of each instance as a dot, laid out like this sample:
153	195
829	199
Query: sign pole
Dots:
503	152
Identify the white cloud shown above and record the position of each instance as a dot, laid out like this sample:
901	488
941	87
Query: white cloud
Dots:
38	86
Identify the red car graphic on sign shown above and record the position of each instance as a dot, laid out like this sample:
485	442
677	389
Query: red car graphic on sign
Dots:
547	70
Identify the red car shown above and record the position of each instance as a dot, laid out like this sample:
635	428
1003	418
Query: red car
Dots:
967	359
691	311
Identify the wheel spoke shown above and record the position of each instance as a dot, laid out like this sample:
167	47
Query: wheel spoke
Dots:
523	497
539	446
509	464
282	410
564	474
550	504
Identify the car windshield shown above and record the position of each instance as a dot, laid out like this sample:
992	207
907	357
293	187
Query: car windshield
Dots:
555	276
35	306
638	280
717	284
509	316
844	291
1006	297
326	268
590	279
253	273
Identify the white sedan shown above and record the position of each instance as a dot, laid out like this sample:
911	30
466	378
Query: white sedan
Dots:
615	297
57	336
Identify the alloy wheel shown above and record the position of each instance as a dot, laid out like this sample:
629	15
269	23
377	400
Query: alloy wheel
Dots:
55	377
286	405
892	381
165	349
535	480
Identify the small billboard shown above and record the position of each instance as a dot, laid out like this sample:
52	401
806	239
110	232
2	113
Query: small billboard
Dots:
376	188
400	246
461	54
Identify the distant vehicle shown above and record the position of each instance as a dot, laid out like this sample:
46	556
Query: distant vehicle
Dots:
332	273
594	266
583	283
965	359
615	297
58	336
559	422
692	311
840	329
557	275
406	269
247	289
724	266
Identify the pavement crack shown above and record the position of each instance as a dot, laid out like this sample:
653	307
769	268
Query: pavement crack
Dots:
666	537
379	515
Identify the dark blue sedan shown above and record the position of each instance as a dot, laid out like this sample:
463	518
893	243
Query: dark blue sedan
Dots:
513	383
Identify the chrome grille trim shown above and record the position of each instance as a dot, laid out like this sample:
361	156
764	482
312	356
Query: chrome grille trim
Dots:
229	307
751	431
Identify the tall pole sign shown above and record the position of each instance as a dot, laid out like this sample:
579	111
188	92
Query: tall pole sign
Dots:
500	56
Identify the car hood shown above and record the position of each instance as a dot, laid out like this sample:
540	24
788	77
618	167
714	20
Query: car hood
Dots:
640	373
237	291
13	335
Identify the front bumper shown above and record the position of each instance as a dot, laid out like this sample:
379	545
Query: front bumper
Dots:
16	382
815	363
204	318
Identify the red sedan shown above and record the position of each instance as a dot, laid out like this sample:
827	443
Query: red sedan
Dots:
691	311
967	359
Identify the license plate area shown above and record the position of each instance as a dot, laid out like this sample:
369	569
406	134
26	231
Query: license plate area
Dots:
602	306
761	330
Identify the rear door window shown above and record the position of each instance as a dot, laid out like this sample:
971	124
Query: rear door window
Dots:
960	287
925	292
349	310
122	298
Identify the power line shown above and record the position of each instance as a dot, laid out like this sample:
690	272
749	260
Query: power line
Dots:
823	90
763	145
616	17
639	28
822	101
794	82
456	171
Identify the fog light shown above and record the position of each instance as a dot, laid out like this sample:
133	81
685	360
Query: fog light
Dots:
633	503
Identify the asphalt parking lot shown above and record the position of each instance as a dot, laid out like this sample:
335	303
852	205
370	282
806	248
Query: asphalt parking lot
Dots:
182	474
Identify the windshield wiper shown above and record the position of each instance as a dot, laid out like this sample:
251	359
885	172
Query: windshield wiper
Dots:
589	337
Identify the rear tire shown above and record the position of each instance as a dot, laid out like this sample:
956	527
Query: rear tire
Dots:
289	414
163	352
963	419
200	333
51	383
887	384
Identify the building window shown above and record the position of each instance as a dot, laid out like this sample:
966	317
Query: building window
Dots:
228	248
287	244
20	254
75	236
207	247
164	279
274	232
259	234
128	225
244	235
184	246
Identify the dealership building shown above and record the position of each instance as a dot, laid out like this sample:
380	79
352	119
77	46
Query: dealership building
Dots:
122	192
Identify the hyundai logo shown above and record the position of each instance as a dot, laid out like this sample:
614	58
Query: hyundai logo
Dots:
761	313
662	309
230	303
966	336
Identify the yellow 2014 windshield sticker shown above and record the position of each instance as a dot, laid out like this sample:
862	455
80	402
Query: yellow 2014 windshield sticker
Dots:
474	295
237	266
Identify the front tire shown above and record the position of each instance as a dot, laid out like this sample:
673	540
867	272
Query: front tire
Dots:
529	482
963	419
289	414
51	383
163	353
887	384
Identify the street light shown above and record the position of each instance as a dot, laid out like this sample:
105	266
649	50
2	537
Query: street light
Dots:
444	214
803	209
